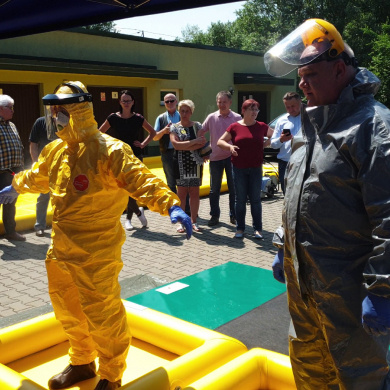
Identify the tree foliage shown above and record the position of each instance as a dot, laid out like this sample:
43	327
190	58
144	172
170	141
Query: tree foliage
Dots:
380	63
104	27
364	24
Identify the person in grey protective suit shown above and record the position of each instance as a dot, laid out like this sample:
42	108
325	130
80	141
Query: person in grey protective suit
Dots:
336	216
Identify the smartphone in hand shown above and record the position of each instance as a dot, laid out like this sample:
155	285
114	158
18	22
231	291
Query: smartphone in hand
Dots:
286	131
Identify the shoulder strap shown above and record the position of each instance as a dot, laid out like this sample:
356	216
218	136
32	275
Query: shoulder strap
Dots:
193	130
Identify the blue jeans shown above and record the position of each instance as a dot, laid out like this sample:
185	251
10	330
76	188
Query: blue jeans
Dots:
167	163
216	173
282	165
41	211
247	182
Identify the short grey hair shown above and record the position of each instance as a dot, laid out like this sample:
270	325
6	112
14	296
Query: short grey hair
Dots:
5	100
188	103
224	93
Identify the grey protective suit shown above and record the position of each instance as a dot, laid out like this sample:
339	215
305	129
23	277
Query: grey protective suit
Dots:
337	239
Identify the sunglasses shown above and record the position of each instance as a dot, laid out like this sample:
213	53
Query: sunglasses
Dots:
170	101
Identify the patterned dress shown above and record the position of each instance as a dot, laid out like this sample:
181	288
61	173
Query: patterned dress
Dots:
188	163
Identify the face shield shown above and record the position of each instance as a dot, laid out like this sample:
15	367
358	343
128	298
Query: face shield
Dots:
314	40
56	117
56	114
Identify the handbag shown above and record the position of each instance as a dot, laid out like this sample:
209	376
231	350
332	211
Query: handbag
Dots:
205	150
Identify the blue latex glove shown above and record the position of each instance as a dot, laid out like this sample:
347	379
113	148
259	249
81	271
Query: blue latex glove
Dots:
277	266
8	195
376	315
178	215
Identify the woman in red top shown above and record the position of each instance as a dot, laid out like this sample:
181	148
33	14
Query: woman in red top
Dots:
247	143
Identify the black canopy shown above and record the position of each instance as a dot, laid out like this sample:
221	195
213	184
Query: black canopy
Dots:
24	17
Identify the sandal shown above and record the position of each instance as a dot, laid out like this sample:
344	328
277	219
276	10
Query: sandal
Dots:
180	228
195	227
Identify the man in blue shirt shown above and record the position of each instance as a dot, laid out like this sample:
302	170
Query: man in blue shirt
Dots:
281	137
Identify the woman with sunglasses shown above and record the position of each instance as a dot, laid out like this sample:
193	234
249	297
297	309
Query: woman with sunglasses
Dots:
247	143
129	127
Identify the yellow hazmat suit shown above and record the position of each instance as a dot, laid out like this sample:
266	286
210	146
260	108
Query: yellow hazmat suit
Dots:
90	176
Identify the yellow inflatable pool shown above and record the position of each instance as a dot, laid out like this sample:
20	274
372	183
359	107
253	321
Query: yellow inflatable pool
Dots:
166	354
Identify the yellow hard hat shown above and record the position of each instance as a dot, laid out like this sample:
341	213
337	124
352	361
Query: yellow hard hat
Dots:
314	40
323	31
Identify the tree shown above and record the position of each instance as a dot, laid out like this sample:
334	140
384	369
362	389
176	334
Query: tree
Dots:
262	23
104	27
364	24
380	63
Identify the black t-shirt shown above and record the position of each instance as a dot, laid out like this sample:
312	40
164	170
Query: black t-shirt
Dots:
38	133
128	130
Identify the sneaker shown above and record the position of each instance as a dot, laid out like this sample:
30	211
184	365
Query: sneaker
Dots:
239	234
72	375
142	217
213	221
128	225
233	219
40	233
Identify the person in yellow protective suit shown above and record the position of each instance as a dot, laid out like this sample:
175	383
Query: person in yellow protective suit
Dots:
90	176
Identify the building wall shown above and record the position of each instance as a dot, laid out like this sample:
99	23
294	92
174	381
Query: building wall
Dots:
202	71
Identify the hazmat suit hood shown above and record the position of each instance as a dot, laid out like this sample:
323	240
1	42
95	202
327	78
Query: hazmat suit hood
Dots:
82	122
365	82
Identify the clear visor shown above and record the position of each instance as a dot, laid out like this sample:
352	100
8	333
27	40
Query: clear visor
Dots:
306	43
56	118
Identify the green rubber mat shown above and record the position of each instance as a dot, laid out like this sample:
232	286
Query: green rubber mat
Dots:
213	297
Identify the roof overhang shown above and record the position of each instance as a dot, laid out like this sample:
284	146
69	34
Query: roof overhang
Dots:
59	65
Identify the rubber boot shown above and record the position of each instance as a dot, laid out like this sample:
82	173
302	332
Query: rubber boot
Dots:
72	375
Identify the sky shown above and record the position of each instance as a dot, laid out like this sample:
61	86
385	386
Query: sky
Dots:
169	25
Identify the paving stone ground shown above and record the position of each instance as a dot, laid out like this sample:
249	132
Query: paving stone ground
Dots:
158	252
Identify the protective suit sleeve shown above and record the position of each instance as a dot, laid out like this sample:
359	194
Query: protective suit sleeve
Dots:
374	177
278	237
134	177
36	179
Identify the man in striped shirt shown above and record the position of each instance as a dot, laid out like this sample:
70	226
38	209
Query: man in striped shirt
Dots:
11	161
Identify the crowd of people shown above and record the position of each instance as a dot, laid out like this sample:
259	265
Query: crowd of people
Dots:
184	150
